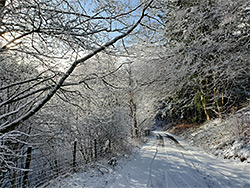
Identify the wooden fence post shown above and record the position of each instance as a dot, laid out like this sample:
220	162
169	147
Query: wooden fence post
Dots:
74	154
95	148
27	167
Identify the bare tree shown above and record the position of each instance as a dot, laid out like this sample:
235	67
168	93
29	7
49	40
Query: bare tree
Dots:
59	83
56	37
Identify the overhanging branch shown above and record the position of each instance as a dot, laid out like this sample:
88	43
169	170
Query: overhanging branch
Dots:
15	123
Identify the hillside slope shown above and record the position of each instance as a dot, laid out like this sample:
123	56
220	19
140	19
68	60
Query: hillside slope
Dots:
228	138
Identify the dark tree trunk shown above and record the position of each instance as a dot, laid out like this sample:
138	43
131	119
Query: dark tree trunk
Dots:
2	3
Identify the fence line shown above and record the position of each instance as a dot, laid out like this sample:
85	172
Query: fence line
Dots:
33	168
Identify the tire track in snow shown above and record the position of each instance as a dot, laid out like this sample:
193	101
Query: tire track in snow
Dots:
181	180
150	182
153	179
170	176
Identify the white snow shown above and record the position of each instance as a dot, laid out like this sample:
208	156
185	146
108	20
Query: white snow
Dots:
228	138
162	164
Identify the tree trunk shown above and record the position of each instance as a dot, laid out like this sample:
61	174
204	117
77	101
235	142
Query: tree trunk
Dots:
133	109
2	4
204	104
216	97
27	167
204	98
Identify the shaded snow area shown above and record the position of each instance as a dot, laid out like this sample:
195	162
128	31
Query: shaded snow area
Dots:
229	138
163	162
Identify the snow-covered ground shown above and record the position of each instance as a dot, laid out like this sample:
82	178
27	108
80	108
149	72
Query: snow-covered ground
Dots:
217	137
162	163
228	138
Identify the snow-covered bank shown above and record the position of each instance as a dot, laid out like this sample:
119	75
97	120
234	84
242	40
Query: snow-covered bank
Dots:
229	138
95	175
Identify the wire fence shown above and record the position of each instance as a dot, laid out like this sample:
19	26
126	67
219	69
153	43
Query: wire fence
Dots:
33	159
33	166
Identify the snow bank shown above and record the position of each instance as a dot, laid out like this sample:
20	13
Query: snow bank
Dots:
229	138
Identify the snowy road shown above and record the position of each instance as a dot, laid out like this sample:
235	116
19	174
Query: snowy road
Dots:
162	163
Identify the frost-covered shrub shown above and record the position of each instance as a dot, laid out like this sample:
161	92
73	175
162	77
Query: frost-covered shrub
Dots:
238	144
241	124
